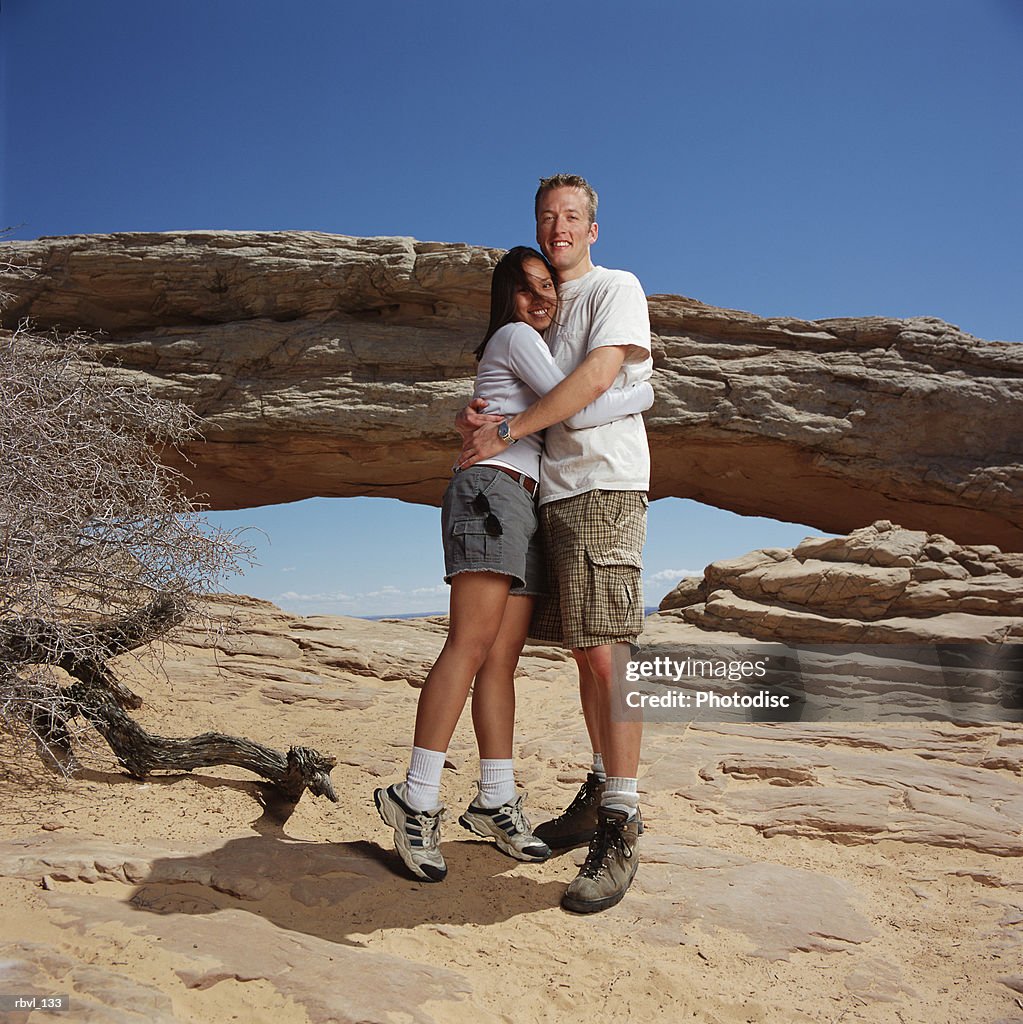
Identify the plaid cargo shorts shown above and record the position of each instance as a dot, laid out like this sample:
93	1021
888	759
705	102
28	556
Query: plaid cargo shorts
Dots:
594	545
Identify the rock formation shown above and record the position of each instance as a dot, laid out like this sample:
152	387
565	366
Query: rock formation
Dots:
882	584
329	365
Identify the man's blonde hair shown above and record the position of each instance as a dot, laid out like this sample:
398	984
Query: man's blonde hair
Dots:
567	181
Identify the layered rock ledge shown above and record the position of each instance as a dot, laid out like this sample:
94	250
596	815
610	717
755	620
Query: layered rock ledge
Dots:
329	365
882	584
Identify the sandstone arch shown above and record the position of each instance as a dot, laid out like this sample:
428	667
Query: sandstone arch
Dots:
329	365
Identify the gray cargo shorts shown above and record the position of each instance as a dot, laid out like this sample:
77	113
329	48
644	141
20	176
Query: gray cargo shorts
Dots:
468	545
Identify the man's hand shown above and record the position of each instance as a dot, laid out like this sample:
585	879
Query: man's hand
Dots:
472	417
482	443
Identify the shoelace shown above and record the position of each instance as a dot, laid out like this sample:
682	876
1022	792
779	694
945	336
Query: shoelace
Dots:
581	798
518	818
609	835
429	826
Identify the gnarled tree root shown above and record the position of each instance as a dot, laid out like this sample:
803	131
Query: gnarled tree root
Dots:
102	699
142	753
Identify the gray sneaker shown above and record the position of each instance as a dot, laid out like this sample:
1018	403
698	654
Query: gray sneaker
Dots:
508	826
416	833
610	864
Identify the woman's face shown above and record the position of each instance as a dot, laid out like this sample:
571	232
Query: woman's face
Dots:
536	305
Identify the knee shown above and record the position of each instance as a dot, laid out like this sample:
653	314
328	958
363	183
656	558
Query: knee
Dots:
599	662
499	668
597	668
473	648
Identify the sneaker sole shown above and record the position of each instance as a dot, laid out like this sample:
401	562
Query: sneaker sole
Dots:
502	844
424	872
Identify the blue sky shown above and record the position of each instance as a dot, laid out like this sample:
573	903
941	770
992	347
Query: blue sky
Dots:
810	158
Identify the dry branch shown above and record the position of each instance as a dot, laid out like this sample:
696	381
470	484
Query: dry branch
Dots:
101	698
31	641
142	753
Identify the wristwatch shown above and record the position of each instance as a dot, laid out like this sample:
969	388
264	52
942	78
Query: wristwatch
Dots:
504	433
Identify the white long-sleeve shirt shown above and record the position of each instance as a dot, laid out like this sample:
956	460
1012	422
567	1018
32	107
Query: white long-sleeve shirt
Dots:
517	368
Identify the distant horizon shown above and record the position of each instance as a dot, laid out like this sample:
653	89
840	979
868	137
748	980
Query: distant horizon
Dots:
648	610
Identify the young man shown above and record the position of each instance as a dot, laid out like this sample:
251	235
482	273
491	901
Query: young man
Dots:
593	511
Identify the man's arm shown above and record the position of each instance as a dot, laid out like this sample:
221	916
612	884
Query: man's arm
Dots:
589	380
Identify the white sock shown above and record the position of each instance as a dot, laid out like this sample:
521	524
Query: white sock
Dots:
621	795
423	779
497	782
598	766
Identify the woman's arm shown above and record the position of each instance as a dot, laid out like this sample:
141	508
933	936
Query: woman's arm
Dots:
532	362
613	404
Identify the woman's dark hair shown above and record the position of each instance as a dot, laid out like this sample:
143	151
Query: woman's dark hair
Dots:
509	278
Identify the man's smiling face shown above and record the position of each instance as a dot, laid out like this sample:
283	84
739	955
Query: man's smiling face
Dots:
564	232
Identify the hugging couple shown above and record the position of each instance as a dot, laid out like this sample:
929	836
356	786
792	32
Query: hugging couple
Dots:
543	535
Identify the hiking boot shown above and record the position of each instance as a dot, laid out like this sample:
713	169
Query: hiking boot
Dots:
610	864
508	826
576	824
416	833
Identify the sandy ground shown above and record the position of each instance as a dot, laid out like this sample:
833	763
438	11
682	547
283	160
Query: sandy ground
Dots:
789	874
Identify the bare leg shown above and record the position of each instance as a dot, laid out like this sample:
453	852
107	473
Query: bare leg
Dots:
620	741
493	695
590	701
478	601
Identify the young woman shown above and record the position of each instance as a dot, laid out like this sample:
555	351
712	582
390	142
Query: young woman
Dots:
494	563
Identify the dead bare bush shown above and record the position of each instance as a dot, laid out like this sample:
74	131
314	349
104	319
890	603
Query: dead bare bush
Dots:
102	552
97	538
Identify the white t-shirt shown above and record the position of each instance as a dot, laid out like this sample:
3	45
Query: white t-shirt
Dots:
603	307
516	369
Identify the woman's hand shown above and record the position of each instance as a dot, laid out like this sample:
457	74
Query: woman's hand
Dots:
472	417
